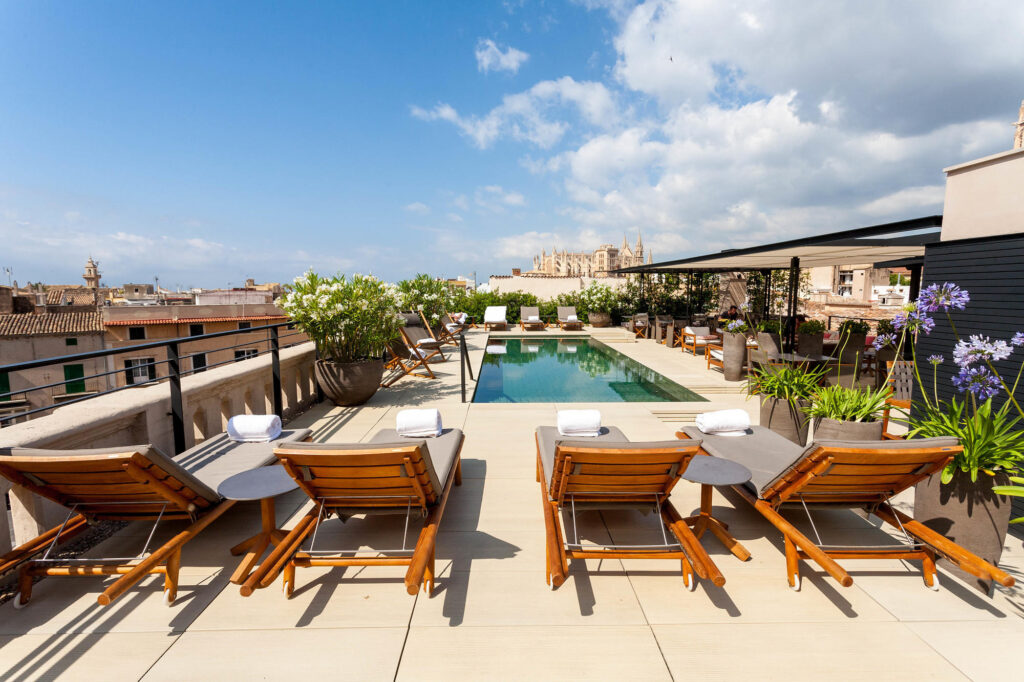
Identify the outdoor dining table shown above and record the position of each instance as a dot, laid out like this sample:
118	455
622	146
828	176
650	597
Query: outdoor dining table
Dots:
796	358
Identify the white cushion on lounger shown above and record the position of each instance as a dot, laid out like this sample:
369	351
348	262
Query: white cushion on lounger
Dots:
494	314
717	354
697	331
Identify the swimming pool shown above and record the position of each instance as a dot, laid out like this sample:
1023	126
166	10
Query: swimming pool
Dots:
571	370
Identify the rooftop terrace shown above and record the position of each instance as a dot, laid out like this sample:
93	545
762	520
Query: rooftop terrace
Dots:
491	615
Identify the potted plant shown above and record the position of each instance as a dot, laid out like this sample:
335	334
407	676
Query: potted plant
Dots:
785	393
811	338
597	302
769	337
853	336
843	413
734	349
351	321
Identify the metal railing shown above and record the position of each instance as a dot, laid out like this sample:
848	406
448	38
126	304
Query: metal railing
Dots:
174	373
464	363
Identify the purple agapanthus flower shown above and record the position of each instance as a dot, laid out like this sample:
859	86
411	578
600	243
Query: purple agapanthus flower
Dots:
913	322
936	359
978	380
883	340
946	296
978	349
1018	339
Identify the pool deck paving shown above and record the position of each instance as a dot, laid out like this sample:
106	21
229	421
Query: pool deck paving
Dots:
491	615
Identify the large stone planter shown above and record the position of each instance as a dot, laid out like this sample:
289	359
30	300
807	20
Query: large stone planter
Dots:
969	514
770	343
600	319
834	429
810	344
785	419
349	383
734	356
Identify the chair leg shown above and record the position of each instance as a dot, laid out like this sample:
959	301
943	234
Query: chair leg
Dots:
792	564
931	578
458	472
288	577
24	585
171	577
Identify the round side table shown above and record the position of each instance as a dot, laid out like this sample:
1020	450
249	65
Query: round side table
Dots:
263	484
709	472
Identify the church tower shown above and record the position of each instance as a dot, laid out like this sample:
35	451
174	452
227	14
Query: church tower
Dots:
92	274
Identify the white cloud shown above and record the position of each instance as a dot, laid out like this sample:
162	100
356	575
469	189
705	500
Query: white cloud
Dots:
490	57
910	199
417	207
532	115
495	198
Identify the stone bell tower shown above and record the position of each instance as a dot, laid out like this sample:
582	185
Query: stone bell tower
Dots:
92	274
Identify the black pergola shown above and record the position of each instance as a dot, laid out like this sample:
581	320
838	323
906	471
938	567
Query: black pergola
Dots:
898	244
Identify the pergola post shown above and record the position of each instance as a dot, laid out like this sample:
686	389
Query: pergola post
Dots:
794	287
915	281
767	277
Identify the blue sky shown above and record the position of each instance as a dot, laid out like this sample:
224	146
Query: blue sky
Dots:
208	142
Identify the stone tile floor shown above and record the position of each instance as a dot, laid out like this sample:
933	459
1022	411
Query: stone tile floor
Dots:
491	615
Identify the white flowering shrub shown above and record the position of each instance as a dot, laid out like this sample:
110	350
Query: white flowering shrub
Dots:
348	319
433	297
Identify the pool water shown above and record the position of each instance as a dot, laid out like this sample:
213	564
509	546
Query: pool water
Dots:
573	370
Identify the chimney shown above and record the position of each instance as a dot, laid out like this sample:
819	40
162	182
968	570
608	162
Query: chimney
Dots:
516	272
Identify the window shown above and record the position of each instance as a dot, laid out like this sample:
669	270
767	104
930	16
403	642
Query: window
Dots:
71	341
136	333
244	353
5	386
73	376
245	325
199	362
195	330
138	370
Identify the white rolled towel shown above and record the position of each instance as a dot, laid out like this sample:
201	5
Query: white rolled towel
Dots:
724	422
452	327
254	428
579	423
533	318
424	423
571	318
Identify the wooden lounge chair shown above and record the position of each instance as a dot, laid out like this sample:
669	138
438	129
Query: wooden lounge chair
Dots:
494	318
901	384
639	324
388	475
406	356
127	483
529	319
610	472
714	354
450	330
442	336
567	319
694	338
865	475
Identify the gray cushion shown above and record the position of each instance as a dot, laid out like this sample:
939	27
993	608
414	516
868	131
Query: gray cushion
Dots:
438	455
148	451
769	456
219	458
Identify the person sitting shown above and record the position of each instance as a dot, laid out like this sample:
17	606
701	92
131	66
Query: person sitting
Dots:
732	314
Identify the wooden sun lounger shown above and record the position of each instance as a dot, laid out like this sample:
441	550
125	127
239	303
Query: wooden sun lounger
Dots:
410	354
525	324
608	472
866	475
129	483
564	312
450	329
390	474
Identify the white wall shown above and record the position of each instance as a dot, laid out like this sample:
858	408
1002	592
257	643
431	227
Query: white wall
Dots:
985	197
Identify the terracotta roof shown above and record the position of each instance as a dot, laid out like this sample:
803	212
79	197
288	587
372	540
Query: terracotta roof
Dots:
189	320
75	295
51	324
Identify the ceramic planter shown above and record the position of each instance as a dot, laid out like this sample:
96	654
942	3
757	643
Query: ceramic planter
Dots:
349	383
600	319
834	429
734	356
785	419
770	343
810	344
969	514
